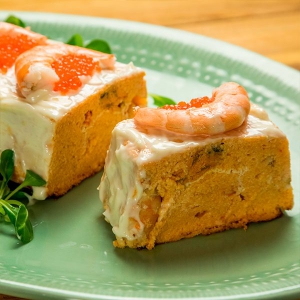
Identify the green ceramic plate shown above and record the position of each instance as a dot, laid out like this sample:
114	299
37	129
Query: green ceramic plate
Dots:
72	256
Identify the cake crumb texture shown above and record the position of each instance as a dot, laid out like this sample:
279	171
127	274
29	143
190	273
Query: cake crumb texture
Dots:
207	189
83	135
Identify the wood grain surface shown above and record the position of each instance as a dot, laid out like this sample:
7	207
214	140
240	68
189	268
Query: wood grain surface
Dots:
268	27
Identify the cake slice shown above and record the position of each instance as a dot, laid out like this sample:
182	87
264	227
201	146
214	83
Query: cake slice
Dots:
62	130
160	186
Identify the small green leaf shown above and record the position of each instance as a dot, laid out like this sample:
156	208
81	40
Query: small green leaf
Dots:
22	197
18	216
75	40
161	100
14	202
99	45
23	226
9	210
33	179
4	190
16	21
2	211
7	164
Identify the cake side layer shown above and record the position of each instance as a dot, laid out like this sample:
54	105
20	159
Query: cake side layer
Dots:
220	186
80	152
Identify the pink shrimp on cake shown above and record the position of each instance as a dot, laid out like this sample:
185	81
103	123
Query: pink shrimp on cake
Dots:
14	41
227	109
58	67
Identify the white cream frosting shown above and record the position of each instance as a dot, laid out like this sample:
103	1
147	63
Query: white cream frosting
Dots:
27	125
121	188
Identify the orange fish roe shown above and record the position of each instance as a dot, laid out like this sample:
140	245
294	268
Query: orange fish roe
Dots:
12	45
69	68
196	102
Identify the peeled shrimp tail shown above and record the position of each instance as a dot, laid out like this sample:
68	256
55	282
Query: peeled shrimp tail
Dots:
228	109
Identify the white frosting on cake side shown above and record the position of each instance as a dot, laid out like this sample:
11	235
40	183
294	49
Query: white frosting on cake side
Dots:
120	187
123	188
27	126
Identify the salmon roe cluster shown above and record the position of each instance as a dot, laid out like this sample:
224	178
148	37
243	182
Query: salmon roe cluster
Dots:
11	46
196	102
70	68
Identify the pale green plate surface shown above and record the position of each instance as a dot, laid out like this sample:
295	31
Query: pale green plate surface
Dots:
72	256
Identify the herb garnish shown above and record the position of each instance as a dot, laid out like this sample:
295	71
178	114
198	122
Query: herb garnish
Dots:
12	209
161	100
98	45
15	21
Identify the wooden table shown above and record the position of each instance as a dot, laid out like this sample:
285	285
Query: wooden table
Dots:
271	28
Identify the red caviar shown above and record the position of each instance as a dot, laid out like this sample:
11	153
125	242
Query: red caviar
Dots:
12	45
196	102
69	68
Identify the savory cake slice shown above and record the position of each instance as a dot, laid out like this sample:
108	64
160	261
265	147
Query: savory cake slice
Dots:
58	106
160	186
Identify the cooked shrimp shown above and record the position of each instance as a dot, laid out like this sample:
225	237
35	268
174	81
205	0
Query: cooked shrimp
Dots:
225	110
14	41
58	67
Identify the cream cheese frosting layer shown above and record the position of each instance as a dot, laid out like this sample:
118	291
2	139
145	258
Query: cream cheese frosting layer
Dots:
120	188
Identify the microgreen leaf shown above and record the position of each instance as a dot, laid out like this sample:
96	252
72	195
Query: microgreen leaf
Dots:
14	202
21	197
75	40
23	226
6	170
2	211
9	210
4	189
7	164
161	100
18	216
16	21
14	210
33	179
99	45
